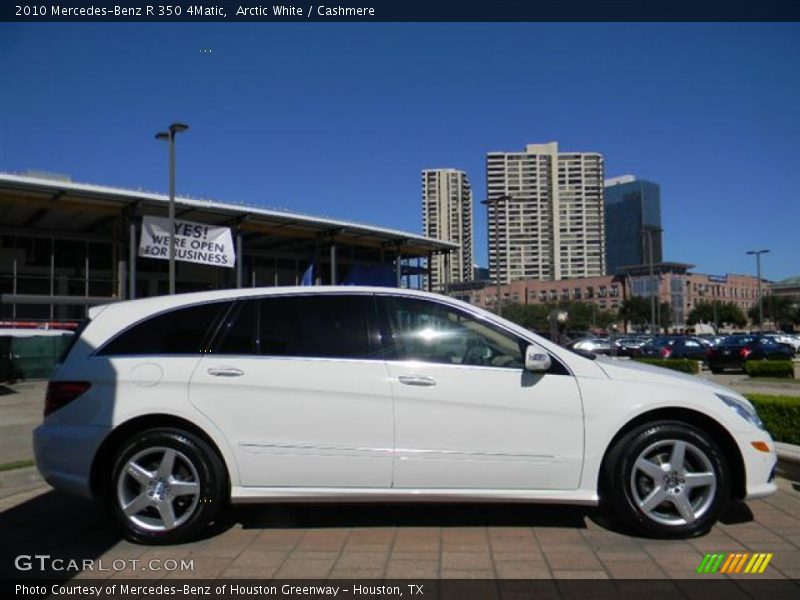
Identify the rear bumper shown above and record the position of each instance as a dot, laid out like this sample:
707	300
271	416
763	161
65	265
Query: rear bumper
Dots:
64	455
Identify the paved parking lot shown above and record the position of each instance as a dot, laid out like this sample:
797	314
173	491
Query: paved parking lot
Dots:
389	541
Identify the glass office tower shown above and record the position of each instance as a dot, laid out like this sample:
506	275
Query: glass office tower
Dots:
632	219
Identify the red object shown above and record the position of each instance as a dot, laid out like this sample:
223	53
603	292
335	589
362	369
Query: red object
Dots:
39	324
665	352
745	352
61	393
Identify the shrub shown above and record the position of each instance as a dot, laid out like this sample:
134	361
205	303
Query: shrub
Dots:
781	416
684	365
769	368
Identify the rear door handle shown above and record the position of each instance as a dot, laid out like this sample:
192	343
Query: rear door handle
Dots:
420	380
225	372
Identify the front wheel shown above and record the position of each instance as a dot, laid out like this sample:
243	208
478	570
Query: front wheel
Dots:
667	479
166	486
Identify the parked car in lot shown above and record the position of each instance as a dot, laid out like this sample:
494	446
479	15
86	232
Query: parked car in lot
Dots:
736	350
170	408
790	341
591	345
673	347
627	346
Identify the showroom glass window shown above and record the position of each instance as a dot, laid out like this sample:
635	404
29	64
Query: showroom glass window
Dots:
432	332
314	326
180	331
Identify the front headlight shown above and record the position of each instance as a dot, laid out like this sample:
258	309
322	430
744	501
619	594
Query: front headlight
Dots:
743	409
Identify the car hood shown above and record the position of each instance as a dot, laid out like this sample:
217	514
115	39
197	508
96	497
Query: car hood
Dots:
631	370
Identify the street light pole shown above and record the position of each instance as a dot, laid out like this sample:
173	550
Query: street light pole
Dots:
758	254
647	234
169	136
496	202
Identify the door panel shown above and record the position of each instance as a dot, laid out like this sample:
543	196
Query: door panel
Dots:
479	420
294	387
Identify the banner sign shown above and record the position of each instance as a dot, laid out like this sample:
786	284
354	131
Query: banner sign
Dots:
194	242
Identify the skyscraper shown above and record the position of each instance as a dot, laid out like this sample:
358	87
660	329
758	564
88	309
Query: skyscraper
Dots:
447	215
547	218
633	218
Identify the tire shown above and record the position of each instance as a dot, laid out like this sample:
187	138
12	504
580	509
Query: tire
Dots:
173	484
715	370
657	500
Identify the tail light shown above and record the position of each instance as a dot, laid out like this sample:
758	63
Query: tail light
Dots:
61	393
745	352
665	353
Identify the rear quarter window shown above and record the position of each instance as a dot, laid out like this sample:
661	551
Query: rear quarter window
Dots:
179	331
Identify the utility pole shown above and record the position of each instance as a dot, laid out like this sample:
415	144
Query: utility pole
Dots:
758	254
169	136
495	202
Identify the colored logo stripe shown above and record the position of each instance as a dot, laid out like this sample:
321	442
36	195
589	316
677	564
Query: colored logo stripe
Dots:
736	562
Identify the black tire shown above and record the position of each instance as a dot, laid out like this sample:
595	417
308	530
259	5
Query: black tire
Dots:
715	370
196	467
626	487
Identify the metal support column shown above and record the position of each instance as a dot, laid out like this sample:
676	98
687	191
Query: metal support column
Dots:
399	269
239	259
86	281
131	260
14	289
428	277
333	264
52	275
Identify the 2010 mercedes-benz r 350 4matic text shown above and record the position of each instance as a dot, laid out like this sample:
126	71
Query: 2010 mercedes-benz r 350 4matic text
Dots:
168	408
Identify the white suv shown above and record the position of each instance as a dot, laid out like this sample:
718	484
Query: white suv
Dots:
168	408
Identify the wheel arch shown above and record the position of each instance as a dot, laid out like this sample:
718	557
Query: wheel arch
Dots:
102	463
697	419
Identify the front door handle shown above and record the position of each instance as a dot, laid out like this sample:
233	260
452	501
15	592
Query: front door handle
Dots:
225	372
420	380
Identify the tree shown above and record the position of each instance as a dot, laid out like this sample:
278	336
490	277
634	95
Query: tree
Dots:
636	311
717	314
530	316
781	310
582	316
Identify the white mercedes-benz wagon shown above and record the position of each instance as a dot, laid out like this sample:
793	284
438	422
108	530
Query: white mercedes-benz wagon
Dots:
170	408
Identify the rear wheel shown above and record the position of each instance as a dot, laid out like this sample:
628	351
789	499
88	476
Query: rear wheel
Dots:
166	486
667	479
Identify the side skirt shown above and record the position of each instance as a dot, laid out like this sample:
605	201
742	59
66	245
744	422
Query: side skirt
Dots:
256	495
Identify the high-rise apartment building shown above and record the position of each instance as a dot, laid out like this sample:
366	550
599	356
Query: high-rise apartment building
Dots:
633	221
545	214
447	215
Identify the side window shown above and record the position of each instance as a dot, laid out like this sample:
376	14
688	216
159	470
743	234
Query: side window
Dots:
316	326
431	332
179	331
313	326
238	334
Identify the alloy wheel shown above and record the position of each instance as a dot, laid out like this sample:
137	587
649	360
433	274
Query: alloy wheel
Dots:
673	482
158	489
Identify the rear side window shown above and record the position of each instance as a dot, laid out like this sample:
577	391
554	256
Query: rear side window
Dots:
300	326
180	331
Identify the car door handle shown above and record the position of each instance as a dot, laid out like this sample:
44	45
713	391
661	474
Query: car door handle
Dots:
225	372
420	380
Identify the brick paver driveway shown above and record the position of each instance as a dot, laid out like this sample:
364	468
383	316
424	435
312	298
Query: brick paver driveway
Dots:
426	541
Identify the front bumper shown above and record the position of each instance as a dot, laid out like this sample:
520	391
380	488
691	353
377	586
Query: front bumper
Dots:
64	455
759	466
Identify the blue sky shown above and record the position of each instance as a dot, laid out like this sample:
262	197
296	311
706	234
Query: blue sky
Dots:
339	119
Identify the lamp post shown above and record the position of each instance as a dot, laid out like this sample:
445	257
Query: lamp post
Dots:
169	136
758	254
488	202
648	232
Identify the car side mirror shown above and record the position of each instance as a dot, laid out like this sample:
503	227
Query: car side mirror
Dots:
536	360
